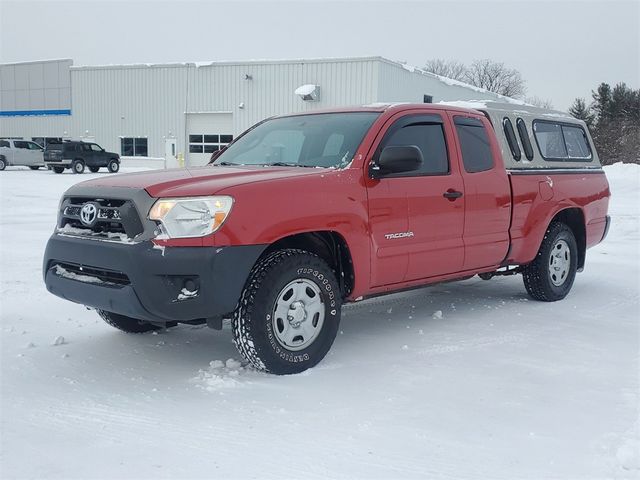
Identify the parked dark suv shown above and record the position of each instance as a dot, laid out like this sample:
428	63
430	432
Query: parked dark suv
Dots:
78	155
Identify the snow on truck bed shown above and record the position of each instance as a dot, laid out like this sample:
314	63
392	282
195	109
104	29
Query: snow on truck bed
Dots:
463	380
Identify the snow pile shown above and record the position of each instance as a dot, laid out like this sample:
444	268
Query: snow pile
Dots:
221	375
106	236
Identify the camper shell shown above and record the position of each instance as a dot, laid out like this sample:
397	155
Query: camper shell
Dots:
533	138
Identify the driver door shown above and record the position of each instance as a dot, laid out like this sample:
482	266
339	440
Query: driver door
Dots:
416	223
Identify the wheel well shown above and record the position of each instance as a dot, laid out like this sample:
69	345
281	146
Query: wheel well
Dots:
574	219
328	245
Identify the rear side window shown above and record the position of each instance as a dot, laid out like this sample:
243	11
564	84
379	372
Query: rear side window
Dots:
576	141
429	138
20	144
474	143
4	143
559	141
524	138
511	139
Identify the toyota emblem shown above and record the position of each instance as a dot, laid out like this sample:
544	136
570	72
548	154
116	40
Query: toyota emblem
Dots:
88	214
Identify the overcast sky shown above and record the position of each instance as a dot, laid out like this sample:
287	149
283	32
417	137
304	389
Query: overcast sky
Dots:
563	48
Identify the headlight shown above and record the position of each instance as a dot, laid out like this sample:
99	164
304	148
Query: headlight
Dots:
191	217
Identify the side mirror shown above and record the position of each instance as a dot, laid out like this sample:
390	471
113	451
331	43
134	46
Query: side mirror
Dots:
397	160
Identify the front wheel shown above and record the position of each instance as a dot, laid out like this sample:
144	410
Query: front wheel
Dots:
58	169
288	314
127	324
550	276
34	167
94	169
113	166
3	163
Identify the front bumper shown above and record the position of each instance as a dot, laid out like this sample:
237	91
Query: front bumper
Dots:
146	282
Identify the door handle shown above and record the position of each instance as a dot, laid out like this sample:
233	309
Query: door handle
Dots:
452	194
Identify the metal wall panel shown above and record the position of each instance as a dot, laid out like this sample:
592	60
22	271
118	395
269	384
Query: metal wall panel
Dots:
35	88
403	84
152	101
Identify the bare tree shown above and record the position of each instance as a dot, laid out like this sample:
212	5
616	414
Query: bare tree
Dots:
447	68
539	102
496	77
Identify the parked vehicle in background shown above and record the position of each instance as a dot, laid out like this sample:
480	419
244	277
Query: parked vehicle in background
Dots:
78	155
305	212
20	153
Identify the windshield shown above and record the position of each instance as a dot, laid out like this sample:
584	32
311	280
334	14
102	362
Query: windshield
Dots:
323	140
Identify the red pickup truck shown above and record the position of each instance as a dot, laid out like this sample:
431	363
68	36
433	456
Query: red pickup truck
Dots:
305	212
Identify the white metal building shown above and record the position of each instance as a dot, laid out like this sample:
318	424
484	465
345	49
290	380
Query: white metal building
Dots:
191	109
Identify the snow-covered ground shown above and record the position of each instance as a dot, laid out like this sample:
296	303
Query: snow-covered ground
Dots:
464	380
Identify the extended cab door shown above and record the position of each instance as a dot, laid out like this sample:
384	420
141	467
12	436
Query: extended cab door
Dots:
416	218
487	192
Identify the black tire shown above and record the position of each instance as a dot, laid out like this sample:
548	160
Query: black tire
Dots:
113	166
3	163
127	324
94	169
58	169
543	280
254	318
34	168
77	166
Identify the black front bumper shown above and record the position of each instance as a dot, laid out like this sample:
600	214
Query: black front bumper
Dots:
143	282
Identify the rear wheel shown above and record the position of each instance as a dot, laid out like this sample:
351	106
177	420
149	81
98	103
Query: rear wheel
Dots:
127	324
34	167
289	312
113	166
549	277
77	166
58	169
94	169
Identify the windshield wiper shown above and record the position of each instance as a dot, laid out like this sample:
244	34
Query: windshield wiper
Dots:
286	164
224	164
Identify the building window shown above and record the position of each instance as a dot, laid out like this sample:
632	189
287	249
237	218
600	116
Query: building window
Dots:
427	99
208	143
134	147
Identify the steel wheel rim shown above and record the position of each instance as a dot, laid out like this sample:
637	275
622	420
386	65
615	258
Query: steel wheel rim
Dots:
298	314
559	263
78	167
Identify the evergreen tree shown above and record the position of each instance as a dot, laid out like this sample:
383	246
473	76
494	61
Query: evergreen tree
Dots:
579	109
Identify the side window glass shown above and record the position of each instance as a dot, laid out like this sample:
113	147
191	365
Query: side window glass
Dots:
429	138
474	143
95	148
20	144
550	140
511	139
524	138
576	141
86	147
4	143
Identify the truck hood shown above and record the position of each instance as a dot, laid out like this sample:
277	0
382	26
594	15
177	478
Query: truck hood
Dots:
184	182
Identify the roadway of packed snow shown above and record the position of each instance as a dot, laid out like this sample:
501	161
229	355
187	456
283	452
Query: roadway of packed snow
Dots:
461	380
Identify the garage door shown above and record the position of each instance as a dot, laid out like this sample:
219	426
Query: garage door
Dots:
207	133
